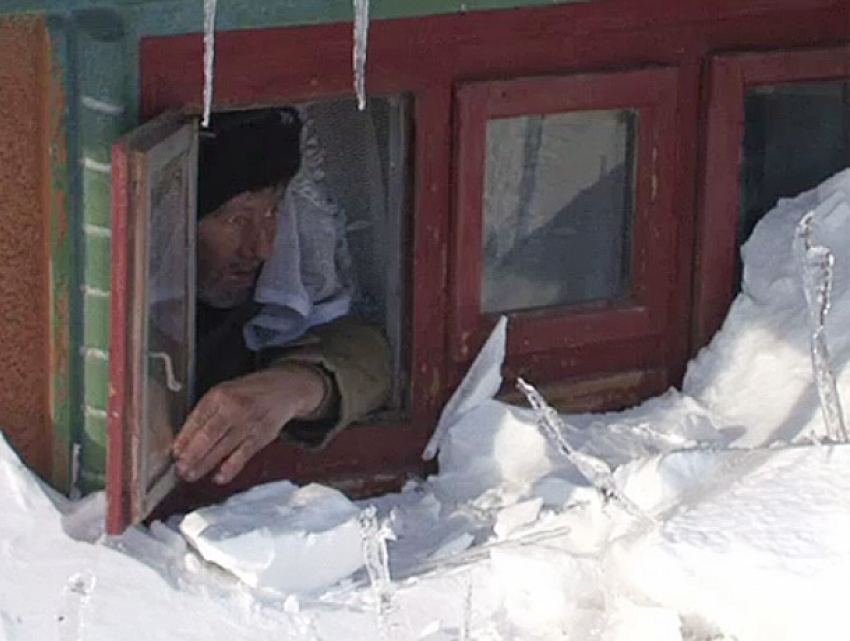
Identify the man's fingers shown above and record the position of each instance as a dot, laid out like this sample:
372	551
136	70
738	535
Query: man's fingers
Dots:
219	451
236	461
199	416
203	440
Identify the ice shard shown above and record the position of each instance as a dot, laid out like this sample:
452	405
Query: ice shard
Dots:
374	536
481	383
595	470
816	265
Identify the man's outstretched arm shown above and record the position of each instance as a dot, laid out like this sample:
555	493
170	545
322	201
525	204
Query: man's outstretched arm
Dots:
310	390
238	418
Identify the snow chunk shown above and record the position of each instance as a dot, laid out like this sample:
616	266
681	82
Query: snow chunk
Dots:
281	537
514	517
493	445
24	499
480	384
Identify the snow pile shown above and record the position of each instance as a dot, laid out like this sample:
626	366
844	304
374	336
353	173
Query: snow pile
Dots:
280	537
53	586
757	371
753	543
516	538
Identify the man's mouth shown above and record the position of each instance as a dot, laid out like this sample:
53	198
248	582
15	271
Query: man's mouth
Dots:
243	275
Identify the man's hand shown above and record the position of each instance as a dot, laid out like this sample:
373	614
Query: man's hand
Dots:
238	418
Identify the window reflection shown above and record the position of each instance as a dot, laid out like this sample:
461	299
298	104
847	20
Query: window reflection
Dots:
167	365
557	208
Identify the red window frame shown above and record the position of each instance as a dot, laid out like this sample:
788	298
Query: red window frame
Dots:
428	57
373	456
652	94
731	76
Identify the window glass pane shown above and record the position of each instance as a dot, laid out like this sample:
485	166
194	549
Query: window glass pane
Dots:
557	205
167	388
795	136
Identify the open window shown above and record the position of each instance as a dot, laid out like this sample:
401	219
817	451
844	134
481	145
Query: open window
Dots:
565	220
152	341
778	124
354	169
363	158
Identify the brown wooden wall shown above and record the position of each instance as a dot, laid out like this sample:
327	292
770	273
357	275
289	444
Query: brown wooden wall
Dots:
24	249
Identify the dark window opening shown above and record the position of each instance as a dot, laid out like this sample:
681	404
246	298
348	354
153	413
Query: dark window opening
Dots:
795	137
353	186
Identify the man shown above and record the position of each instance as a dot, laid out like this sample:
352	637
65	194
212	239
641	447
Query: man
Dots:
305	391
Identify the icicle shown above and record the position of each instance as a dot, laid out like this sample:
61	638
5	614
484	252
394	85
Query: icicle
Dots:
376	558
209	57
466	621
595	470
361	40
816	262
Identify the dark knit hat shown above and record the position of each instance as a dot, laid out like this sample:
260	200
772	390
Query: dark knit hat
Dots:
246	151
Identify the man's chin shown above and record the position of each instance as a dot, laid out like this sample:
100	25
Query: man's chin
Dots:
224	299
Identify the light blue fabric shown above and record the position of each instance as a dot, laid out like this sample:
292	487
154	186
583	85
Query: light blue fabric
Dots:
302	285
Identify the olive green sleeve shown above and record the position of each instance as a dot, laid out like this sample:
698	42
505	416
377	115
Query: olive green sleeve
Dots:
357	357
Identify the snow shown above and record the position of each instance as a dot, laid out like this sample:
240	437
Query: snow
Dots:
280	537
511	540
757	371
763	551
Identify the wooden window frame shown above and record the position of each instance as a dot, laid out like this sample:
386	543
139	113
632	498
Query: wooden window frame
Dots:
136	159
731	75
374	456
427	57
644	311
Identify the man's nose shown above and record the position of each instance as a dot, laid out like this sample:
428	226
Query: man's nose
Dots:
263	241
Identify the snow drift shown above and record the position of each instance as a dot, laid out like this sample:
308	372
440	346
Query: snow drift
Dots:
512	539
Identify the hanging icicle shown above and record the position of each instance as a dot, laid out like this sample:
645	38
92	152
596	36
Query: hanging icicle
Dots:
361	40
209	57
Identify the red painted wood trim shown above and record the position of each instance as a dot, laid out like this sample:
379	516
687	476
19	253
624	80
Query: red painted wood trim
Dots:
379	450
430	241
731	76
652	93
284	63
117	500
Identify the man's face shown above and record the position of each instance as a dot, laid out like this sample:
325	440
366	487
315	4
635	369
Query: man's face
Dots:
233	243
